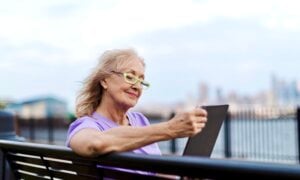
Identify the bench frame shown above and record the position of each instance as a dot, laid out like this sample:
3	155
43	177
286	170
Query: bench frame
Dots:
41	161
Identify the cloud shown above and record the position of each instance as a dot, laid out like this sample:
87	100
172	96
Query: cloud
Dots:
248	67
57	42
65	23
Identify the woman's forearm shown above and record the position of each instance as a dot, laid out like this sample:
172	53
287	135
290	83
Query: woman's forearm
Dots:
128	138
90	142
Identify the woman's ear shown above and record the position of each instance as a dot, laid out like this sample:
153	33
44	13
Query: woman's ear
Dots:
103	83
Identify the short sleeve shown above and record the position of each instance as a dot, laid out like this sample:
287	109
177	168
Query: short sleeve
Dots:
139	119
79	124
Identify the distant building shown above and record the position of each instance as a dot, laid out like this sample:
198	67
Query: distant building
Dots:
285	92
203	93
4	102
219	95
40	108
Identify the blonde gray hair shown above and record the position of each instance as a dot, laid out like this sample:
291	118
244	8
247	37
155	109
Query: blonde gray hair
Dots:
90	95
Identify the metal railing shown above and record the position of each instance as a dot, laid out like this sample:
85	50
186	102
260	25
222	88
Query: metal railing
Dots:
269	134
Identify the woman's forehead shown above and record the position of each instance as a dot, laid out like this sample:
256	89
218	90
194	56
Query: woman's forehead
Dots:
133	65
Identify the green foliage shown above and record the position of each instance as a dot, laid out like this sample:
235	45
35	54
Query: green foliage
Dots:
71	117
2	105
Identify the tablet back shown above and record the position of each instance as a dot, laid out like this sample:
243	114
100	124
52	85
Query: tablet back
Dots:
202	144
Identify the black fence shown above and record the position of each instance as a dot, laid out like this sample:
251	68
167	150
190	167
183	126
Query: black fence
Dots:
50	130
264	134
269	134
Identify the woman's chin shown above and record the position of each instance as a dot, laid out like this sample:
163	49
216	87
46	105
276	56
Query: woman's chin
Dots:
131	103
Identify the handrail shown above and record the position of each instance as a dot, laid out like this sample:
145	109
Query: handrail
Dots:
177	165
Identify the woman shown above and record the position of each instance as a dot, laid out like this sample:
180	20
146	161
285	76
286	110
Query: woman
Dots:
104	123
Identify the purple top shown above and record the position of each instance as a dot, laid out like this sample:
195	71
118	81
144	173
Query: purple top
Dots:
101	123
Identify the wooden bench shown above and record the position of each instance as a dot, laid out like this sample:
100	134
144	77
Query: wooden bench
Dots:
41	161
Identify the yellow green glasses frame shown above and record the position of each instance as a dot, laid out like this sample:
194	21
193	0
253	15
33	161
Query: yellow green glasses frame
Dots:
132	79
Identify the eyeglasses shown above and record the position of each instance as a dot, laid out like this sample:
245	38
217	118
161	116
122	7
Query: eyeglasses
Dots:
132	79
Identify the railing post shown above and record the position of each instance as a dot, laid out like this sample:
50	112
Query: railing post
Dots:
173	142
173	145
32	129
227	136
298	132
50	129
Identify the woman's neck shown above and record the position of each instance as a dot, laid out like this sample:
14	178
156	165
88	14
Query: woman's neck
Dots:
113	112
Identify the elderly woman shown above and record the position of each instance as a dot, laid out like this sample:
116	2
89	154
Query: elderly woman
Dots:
105	123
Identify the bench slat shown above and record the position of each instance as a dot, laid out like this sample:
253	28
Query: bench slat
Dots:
31	177
31	169
57	174
90	170
20	157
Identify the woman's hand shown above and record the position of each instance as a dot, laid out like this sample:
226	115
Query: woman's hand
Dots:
187	123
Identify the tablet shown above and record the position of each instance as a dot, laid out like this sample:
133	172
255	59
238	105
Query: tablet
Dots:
202	144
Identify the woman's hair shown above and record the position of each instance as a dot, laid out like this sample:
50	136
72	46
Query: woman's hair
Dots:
90	95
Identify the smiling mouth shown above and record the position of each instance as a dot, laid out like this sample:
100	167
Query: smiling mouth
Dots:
132	94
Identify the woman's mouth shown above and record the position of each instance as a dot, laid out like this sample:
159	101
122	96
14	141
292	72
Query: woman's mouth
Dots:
134	95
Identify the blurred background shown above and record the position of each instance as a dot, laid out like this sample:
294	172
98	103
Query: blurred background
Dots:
242	53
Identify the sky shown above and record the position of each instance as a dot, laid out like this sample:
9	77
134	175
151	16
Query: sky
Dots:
49	47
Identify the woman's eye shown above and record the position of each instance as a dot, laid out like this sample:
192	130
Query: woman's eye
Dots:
130	77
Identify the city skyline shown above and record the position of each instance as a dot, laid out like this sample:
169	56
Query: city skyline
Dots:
280	92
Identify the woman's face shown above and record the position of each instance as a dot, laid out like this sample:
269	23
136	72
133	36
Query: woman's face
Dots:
119	91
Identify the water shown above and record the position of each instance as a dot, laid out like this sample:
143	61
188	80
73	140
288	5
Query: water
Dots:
267	140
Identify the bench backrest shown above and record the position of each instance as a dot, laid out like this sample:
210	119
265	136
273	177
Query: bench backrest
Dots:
39	161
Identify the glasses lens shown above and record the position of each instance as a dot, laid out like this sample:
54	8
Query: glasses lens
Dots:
130	78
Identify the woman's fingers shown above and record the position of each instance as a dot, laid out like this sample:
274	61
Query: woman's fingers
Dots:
200	112
189	123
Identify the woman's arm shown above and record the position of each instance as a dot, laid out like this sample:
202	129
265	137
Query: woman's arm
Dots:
90	142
